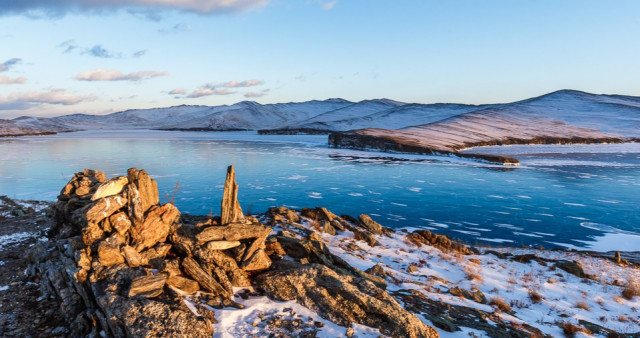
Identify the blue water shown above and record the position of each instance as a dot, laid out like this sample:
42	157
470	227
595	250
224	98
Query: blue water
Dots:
570	199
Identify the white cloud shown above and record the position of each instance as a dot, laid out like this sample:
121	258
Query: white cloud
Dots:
177	91
242	84
116	75
61	7
254	94
25	100
208	92
12	80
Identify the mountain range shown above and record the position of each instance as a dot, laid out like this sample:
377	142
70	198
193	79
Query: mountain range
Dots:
561	115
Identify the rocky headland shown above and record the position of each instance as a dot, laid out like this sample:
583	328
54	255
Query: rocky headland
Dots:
108	259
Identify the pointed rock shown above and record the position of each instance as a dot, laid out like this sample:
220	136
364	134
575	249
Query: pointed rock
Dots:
146	186
111	187
230	211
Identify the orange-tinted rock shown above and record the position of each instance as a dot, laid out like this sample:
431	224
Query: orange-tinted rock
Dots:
109	252
184	284
146	186
155	227
230	211
111	187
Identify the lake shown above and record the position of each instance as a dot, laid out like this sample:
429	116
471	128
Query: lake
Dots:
583	197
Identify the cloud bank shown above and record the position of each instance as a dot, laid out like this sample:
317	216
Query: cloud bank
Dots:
116	75
12	80
209	89
61	7
26	100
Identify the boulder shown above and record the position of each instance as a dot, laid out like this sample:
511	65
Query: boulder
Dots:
147	286
366	236
109	251
158	251
476	296
120	222
103	208
342	299
133	258
572	267
257	261
184	284
111	187
155	227
369	224
230	210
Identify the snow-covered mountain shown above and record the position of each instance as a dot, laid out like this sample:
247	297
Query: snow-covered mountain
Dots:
610	114
564	116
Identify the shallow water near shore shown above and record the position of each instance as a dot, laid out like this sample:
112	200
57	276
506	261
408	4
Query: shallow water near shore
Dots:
583	197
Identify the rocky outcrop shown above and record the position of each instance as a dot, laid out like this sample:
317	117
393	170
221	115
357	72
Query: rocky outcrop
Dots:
442	242
342	299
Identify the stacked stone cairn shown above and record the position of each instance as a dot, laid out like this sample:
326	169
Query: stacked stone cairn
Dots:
124	244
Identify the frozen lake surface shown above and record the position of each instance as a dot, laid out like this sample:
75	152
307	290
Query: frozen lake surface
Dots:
584	197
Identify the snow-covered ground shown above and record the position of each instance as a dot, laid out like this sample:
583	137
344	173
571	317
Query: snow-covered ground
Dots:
563	297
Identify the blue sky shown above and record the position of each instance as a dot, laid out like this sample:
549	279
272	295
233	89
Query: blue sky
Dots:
81	56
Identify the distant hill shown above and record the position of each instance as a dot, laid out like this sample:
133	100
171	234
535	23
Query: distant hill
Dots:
564	114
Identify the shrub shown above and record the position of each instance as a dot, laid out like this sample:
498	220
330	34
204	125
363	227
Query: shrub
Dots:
535	296
632	290
500	304
570	330
582	305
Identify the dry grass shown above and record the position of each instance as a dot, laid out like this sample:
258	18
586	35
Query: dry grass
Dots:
473	275
570	330
632	290
500	304
535	296
582	305
475	261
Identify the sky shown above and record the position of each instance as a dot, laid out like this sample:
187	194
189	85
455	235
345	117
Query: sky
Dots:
101	56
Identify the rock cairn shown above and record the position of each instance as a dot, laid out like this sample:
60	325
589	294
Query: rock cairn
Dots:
121	246
122	264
